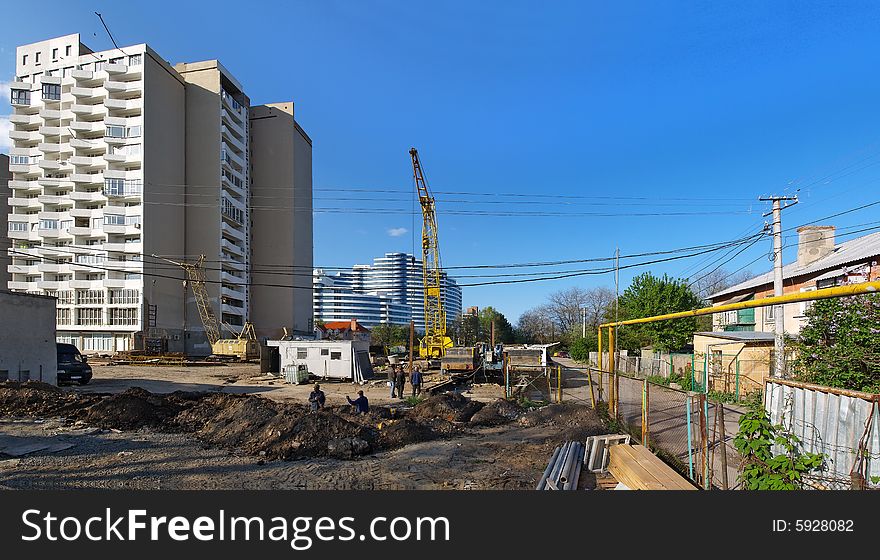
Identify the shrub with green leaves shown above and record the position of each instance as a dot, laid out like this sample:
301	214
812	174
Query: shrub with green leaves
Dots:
839	346
764	470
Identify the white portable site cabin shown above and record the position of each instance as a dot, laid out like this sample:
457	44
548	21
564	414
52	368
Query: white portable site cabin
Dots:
332	359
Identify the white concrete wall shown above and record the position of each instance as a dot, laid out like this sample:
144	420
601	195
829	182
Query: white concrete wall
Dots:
27	337
5	193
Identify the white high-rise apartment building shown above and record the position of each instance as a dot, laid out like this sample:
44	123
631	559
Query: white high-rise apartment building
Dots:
117	156
365	290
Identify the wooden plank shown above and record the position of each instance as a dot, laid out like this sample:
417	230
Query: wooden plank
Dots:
660	470
639	469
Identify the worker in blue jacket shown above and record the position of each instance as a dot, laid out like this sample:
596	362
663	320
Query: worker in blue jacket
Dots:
361	404
415	378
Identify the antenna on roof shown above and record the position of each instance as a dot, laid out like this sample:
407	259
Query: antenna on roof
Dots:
108	30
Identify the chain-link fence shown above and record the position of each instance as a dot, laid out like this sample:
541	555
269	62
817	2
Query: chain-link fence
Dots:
691	431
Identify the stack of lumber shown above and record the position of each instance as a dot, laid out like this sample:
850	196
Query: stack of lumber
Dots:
639	469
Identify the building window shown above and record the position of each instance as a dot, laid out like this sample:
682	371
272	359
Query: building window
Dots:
91	259
18	226
36	58
90	316
335	355
769	313
114	220
117	60
54	54
64	316
20	160
325	352
48	224
90	297
123	316
20	97
125	297
99	65
121	187
134	60
67	50
65	73
52	92
24	60
302	353
65	297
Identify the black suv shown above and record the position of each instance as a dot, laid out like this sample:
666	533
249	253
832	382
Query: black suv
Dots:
72	366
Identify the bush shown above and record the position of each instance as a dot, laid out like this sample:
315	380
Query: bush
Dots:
579	349
762	470
840	344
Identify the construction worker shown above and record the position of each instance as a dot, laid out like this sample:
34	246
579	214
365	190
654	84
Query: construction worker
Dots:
392	378
361	404
317	398
415	379
400	382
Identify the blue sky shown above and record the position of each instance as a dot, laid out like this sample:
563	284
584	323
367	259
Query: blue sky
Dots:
662	107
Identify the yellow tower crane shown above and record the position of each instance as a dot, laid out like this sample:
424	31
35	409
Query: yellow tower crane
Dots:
435	342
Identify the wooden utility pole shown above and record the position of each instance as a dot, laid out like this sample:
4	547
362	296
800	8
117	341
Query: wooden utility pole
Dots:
412	330
720	412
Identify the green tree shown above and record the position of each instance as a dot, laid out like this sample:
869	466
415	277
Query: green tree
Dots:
390	335
649	295
839	346
503	329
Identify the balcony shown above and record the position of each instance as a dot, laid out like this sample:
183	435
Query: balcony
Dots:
82	75
23	235
54	268
30	270
123	158
88	145
61	148
25	135
131	229
50	114
126	88
22	202
49	284
231	247
50	164
86	212
115	69
86	284
56	182
87	93
54	199
89	111
124	107
88	179
54	233
87	162
233	232
80	126
25	186
85	231
25	120
129	248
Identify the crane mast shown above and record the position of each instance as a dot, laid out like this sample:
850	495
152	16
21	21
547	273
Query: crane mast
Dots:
435	342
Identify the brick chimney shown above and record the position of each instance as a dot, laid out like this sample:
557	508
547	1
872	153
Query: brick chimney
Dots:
814	243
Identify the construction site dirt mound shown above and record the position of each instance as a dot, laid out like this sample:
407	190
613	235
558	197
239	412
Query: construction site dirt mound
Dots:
406	431
136	408
573	421
499	412
254	424
33	398
452	407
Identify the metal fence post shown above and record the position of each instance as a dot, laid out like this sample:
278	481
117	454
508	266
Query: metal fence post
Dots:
590	383
645	413
690	439
559	384
720	409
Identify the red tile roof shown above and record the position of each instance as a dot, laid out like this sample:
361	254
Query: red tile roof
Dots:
344	326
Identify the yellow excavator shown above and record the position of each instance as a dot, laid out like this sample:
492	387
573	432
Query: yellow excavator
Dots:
244	346
435	341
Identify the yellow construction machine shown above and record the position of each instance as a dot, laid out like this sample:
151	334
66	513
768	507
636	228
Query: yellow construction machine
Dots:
244	346
435	341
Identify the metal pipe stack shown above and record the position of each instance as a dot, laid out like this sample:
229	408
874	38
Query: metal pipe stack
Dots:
564	468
